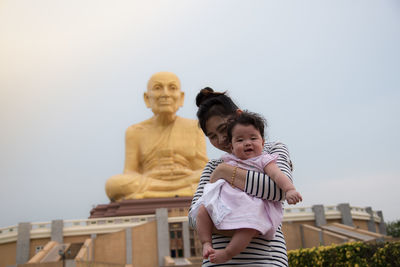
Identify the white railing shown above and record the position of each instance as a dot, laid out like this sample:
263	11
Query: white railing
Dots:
8	234
109	221
332	212
178	219
8	230
361	213
298	214
77	227
297	209
331	208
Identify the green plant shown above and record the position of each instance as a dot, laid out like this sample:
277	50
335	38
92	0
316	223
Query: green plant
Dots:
350	254
393	228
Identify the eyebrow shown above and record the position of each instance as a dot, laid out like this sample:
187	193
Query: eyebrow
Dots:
220	126
208	134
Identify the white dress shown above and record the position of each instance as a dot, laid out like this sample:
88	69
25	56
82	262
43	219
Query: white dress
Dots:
231	208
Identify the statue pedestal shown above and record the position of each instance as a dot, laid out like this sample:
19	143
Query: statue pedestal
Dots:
177	206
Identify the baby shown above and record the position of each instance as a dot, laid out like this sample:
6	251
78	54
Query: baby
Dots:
228	208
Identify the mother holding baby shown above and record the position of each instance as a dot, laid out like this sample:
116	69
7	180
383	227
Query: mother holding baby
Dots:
215	110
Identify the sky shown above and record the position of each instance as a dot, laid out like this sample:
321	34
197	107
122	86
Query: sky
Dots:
325	74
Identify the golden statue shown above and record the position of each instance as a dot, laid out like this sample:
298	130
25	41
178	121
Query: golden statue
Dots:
164	155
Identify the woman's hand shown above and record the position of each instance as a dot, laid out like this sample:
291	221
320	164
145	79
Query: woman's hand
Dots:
223	171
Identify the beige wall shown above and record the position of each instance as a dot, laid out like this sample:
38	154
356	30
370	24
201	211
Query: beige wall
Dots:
292	235
178	212
8	253
97	264
377	228
76	239
144	242
331	238
110	248
311	236
291	231
361	224
44	264
334	221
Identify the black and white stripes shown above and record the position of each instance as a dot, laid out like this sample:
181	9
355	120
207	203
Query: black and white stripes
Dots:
260	252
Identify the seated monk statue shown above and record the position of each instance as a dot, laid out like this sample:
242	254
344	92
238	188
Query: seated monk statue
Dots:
164	155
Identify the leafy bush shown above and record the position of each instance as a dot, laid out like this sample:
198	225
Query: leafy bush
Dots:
350	254
388	255
393	228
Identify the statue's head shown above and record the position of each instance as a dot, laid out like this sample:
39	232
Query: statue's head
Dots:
164	93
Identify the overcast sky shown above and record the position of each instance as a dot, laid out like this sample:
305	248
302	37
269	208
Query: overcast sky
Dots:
325	74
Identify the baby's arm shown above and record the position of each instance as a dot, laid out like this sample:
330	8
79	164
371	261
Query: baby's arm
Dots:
273	171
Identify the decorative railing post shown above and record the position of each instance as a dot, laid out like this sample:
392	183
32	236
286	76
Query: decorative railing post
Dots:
319	212
371	222
162	235
57	227
23	243
382	225
345	211
128	245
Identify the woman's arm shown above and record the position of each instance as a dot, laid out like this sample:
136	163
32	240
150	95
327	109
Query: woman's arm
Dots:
256	183
204	179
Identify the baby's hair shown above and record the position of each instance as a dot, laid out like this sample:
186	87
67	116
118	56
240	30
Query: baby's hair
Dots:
247	118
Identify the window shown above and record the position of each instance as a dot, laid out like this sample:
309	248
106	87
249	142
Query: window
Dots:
38	249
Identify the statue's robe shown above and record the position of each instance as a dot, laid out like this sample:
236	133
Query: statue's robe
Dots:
160	161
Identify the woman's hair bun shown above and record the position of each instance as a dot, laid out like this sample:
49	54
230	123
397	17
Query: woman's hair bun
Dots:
206	93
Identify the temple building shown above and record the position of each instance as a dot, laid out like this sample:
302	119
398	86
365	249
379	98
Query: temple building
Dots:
163	238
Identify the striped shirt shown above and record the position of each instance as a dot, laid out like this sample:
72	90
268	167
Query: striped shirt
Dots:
260	252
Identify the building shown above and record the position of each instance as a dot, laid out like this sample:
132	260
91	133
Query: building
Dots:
164	238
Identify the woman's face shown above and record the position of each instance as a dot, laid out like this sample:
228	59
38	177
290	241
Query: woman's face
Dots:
216	132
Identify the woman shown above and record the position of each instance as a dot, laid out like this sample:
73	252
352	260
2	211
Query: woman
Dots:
215	109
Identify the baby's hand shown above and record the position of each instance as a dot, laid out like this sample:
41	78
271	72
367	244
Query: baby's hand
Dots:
293	197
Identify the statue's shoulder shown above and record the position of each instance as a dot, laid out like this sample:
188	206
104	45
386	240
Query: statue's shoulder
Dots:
190	125
186	121
137	127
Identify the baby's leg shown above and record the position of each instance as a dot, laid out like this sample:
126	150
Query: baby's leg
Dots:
240	240
204	226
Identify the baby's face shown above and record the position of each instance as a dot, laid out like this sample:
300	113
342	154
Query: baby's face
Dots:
246	141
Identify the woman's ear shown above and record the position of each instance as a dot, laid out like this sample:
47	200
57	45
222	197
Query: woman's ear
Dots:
239	112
